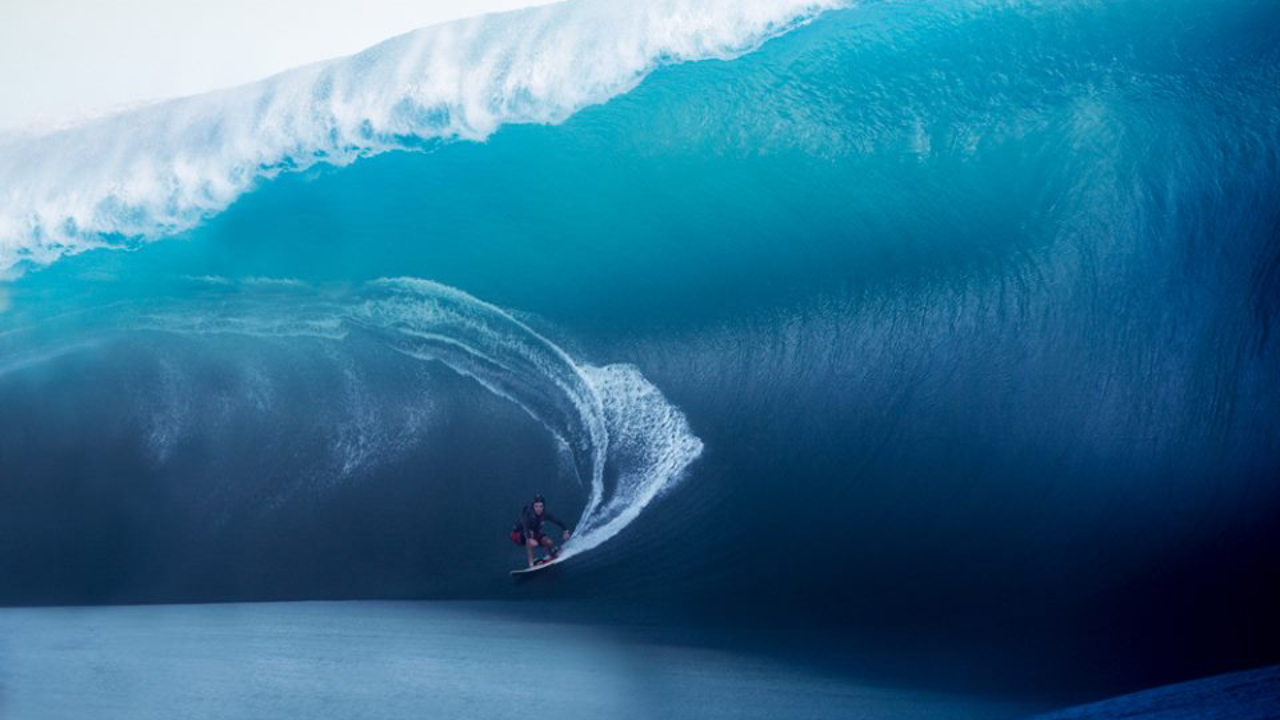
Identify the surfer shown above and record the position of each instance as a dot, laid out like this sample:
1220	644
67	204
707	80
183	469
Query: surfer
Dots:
529	529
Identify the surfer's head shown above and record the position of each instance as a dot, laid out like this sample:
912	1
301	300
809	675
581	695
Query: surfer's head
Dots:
539	504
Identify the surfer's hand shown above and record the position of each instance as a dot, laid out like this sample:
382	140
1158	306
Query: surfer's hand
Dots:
566	534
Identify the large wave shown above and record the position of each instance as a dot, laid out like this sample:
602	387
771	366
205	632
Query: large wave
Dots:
973	304
160	169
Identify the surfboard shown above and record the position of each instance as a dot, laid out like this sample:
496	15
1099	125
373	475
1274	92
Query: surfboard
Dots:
535	568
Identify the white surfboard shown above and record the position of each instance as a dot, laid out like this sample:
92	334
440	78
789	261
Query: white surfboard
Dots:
536	568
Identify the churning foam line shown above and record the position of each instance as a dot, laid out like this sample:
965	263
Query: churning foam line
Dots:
139	175
638	415
492	325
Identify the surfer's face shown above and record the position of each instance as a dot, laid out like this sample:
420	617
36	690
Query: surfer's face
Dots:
537	508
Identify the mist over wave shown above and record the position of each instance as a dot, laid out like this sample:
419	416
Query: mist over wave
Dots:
141	174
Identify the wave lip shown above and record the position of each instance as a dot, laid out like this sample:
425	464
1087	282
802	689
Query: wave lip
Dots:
140	175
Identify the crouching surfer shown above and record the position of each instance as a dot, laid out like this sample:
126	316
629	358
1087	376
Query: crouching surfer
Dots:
528	531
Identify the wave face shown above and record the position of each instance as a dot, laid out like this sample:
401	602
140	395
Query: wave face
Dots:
952	317
619	439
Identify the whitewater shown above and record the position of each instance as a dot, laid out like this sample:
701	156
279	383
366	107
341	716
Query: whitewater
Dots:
160	169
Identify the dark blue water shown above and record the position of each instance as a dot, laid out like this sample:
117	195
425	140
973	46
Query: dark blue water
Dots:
950	324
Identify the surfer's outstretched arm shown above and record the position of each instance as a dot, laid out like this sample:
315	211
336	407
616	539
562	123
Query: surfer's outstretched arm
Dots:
548	517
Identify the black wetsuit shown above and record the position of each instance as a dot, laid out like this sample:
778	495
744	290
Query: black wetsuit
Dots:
531	522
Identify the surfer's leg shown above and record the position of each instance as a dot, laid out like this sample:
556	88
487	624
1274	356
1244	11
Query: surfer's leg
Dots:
529	545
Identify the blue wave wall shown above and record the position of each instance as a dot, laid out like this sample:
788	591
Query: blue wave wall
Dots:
972	306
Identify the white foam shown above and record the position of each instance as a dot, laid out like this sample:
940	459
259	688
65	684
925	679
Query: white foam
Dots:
607	416
650	448
152	171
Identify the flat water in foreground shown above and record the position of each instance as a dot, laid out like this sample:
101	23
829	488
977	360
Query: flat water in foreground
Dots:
411	660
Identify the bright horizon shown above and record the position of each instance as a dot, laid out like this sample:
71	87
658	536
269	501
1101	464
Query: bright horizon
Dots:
63	59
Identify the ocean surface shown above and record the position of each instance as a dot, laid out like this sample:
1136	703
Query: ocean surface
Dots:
950	326
396	660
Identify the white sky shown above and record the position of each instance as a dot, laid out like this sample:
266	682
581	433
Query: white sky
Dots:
65	58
